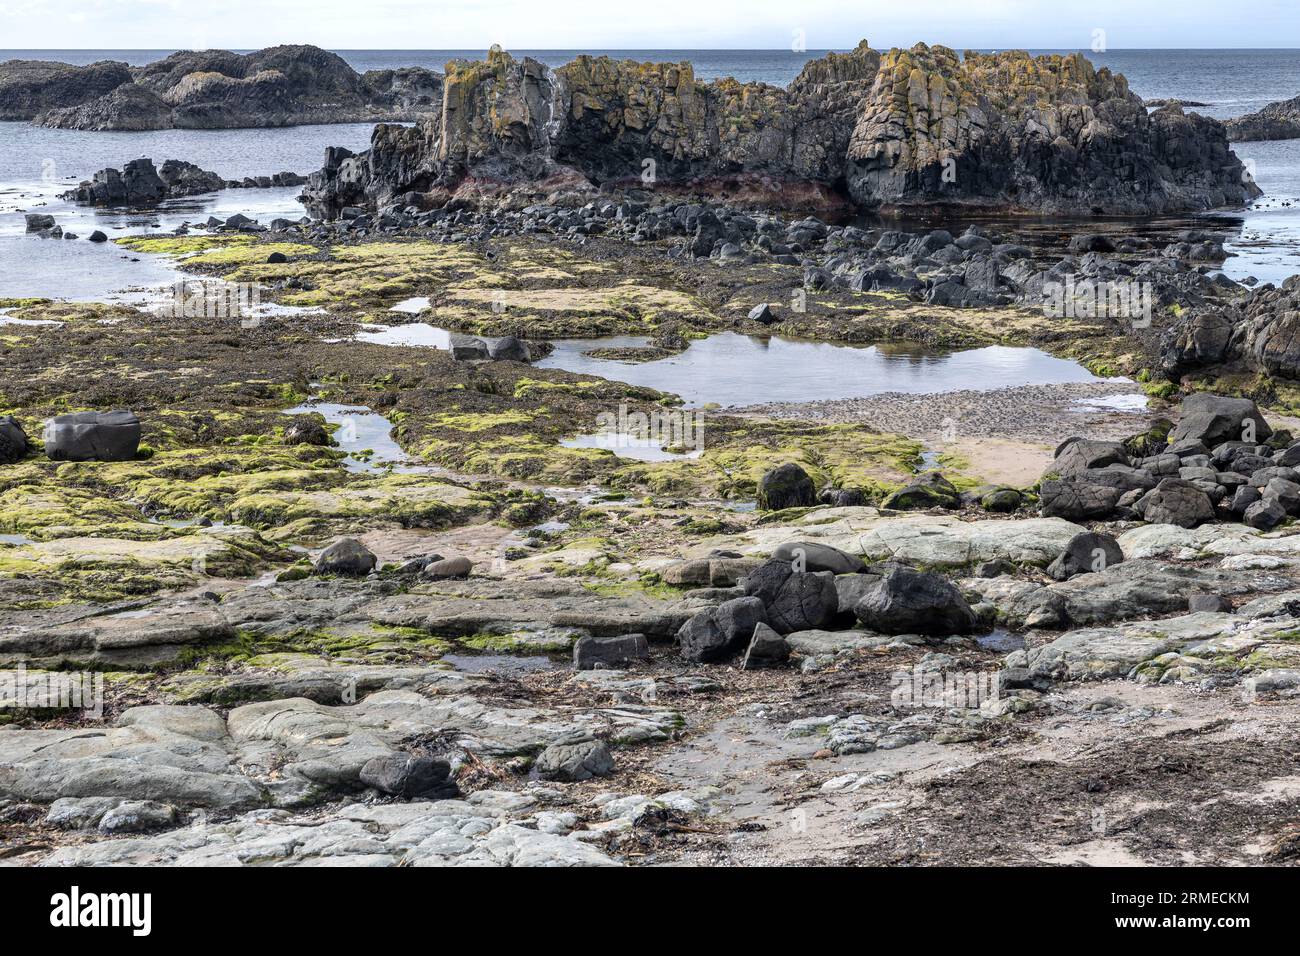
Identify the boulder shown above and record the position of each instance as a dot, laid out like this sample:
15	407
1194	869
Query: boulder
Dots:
404	775
346	556
447	568
718	633
904	601
92	436
1264	515
574	759
811	556
1076	500
13	440
1214	419
1178	502
591	653
766	648
306	430
1086	552
929	490
786	486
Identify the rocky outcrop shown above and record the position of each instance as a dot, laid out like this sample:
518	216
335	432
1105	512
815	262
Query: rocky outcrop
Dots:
30	87
908	127
217	89
1256	333
1276	121
138	183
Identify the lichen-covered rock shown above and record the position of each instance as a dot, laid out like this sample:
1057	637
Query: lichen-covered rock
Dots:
907	127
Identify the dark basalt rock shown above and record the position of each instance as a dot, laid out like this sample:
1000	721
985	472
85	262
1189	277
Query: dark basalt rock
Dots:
904	601
13	440
306	430
1214	419
786	486
347	556
30	87
766	648
1178	502
1279	120
719	633
403	775
1085	553
92	436
217	89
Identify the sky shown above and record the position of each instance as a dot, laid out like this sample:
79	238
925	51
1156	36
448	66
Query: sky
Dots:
645	24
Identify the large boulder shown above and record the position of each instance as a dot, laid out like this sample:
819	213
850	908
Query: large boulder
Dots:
795	601
904	601
1178	502
1087	552
720	632
786	486
1077	500
92	436
929	490
1215	419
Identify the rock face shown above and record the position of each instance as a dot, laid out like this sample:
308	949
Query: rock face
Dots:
29	87
215	89
1275	121
903	128
92	436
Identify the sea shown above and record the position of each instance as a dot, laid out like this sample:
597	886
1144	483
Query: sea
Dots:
37	164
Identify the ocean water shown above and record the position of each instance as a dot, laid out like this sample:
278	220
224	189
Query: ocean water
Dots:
36	164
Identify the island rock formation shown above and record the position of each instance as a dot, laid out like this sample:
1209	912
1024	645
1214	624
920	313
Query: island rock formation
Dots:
918	127
214	89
